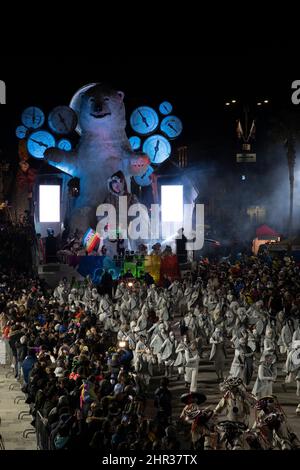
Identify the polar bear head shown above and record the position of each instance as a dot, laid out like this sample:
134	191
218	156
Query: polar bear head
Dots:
99	108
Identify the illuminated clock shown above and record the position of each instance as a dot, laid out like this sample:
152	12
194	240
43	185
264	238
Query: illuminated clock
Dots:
145	179
157	147
165	107
144	120
38	142
135	142
171	126
64	144
21	132
62	120
33	117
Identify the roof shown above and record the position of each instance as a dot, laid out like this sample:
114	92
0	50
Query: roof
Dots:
266	231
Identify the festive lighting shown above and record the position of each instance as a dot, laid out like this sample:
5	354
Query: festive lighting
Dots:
49	203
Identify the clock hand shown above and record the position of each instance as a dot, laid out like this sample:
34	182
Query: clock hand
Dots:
62	120
33	115
39	142
143	118
166	108
172	127
156	148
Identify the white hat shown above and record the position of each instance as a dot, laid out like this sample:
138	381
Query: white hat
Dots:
59	372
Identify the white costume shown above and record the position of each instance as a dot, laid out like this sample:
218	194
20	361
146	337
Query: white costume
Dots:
266	376
191	368
168	353
292	365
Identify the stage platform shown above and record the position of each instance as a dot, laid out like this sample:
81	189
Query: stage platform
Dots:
54	272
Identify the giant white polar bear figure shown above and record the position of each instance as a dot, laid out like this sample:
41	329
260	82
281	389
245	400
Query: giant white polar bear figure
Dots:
103	150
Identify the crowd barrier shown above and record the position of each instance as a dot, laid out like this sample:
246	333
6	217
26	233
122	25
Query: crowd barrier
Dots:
42	433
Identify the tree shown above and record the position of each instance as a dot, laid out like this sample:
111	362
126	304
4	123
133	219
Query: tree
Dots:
285	130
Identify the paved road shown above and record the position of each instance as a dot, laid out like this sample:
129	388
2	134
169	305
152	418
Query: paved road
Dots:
208	384
11	427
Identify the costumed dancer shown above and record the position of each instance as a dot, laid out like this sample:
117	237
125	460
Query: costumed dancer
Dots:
168	353
292	366
266	375
242	363
218	352
192	365
236	402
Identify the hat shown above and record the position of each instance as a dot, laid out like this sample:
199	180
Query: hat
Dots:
23	339
118	388
59	372
193	397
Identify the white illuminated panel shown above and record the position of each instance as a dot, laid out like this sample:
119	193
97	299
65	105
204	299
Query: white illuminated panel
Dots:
49	203
172	203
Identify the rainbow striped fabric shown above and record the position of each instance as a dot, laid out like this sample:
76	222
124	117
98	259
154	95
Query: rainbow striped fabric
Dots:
90	240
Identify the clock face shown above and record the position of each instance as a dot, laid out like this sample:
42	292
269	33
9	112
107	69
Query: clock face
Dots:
64	144
144	120
62	120
33	117
135	142
38	142
157	147
21	132
145	179
171	126
165	107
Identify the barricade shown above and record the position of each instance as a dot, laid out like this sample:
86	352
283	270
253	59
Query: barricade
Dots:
42	433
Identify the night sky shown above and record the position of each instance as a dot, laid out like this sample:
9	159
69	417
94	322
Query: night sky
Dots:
197	86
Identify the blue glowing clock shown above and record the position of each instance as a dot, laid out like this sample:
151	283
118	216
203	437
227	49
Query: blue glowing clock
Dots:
38	142
21	132
165	107
145	179
64	144
144	120
158	148
135	142
171	126
33	117
62	120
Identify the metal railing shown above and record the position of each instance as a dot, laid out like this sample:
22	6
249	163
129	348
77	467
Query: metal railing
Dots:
42	433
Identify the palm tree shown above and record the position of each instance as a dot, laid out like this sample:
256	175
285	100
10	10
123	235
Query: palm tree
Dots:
290	145
286	130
